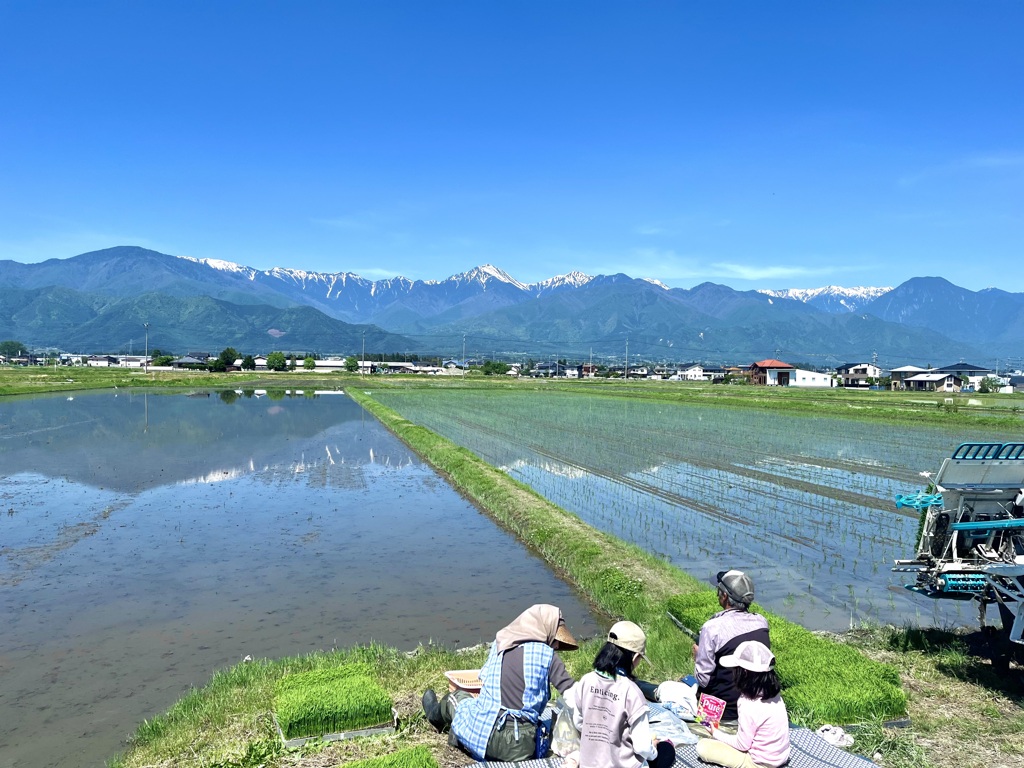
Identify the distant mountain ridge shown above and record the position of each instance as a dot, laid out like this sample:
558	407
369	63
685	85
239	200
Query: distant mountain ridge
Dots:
61	301
831	298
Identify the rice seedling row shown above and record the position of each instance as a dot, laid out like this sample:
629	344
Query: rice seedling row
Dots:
806	502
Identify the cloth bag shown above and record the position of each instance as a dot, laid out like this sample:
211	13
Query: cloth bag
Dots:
679	697
667	726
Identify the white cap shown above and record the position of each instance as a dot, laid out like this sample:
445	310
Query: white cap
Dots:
750	655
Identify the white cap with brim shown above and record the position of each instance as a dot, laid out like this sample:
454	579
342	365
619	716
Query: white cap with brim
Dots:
752	656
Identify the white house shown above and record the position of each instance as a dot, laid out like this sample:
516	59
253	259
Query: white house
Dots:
801	378
691	372
857	374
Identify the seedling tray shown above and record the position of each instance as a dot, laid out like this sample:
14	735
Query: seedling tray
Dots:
375	730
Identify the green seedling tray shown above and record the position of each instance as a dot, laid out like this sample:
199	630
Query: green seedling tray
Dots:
376	730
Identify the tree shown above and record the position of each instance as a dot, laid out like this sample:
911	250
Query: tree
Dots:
492	367
291	363
309	364
248	363
12	348
228	357
989	385
276	361
351	364
163	360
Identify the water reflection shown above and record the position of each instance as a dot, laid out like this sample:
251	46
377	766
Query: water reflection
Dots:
147	540
803	503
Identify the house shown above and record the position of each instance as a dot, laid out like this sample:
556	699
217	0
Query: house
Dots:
934	381
898	376
971	374
802	378
588	370
770	373
857	374
715	373
691	372
188	361
101	361
133	361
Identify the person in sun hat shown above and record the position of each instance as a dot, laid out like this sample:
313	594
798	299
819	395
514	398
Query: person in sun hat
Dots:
611	712
762	738
722	634
501	723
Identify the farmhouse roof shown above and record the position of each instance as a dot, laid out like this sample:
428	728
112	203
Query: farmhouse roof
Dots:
908	369
771	363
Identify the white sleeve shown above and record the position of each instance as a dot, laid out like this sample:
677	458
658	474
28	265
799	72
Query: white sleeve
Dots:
571	700
643	741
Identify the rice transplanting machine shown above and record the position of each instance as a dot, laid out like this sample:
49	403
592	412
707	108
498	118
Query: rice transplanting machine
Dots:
971	544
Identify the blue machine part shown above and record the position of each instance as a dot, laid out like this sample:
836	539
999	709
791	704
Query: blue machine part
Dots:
918	500
962	582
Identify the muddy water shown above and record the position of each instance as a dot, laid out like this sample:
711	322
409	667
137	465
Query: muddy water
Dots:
148	540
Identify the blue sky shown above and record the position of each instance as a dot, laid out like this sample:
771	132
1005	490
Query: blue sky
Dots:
754	144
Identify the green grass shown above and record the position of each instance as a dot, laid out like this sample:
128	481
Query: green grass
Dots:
823	681
323	701
415	757
228	723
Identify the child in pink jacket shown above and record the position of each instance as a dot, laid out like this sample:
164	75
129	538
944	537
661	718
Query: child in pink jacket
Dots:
762	739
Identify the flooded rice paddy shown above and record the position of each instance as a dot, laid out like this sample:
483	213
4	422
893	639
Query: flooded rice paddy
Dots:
805	504
147	540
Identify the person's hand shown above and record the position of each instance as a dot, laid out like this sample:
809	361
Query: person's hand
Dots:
695	650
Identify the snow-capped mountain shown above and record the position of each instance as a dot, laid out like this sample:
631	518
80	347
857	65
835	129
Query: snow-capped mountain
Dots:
831	298
96	300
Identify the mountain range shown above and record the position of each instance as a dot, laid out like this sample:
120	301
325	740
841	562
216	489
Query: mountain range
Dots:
101	301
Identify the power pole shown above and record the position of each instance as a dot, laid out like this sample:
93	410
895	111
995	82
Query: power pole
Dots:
146	361
362	362
463	356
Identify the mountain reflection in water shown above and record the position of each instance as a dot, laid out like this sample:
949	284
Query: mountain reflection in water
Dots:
147	540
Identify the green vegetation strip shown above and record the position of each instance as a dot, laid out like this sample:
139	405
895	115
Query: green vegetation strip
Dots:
625	581
416	757
823	681
227	722
325	701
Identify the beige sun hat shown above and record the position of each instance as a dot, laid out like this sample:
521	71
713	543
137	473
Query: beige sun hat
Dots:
628	635
565	638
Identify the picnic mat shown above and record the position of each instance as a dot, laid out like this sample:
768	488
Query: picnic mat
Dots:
809	751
